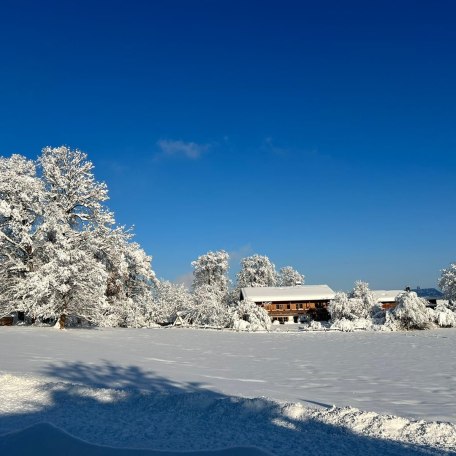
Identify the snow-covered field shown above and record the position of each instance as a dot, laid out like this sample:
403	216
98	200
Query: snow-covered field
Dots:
182	389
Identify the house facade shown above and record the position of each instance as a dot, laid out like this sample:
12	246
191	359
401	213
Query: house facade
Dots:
292	304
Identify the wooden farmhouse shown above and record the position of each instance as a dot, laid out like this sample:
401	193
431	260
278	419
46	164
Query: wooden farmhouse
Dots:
386	298
292	304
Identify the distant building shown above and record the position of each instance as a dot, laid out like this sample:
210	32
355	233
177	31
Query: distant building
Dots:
386	298
292	304
432	295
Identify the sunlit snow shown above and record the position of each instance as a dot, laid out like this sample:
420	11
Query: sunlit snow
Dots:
183	389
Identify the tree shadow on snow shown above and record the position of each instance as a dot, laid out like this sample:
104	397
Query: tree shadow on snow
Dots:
152	412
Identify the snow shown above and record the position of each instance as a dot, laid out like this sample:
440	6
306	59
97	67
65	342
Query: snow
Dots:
180	389
24	443
386	295
301	292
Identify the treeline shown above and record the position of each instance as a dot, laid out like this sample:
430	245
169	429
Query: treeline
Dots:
359	310
64	260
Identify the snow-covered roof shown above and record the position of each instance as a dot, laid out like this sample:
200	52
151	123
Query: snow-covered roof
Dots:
428	293
298	293
385	295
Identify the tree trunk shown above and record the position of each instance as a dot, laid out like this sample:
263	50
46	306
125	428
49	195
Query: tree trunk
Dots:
62	320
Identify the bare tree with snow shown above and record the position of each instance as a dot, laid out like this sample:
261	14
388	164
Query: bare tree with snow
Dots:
362	292
169	300
256	271
447	282
288	277
208	308
21	197
340	307
211	269
61	253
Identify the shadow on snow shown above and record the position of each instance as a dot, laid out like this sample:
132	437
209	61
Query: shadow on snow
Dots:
151	412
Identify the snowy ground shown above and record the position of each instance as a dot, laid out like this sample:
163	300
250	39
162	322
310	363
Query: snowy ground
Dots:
181	389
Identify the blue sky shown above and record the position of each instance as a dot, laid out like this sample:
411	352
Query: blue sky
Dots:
321	134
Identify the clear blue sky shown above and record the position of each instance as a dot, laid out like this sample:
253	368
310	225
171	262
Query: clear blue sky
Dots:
322	134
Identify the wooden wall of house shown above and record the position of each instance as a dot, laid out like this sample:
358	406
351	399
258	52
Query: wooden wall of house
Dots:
388	305
294	306
317	310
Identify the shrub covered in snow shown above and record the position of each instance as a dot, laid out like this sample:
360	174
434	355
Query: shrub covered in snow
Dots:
410	312
352	325
255	316
443	316
344	325
316	326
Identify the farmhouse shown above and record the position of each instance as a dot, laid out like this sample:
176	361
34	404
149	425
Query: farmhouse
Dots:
291	304
387	298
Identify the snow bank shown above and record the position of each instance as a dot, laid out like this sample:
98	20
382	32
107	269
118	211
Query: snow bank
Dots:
211	421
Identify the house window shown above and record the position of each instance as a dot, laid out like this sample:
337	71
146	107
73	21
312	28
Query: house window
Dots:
288	306
277	306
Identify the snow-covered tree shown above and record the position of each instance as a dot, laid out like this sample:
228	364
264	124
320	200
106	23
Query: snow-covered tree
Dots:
288	277
447	282
444	316
71	189
65	280
130	294
72	216
211	269
21	195
410	311
210	290
169	299
362	292
339	307
256	271
208	308
60	251
343	307
251	317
